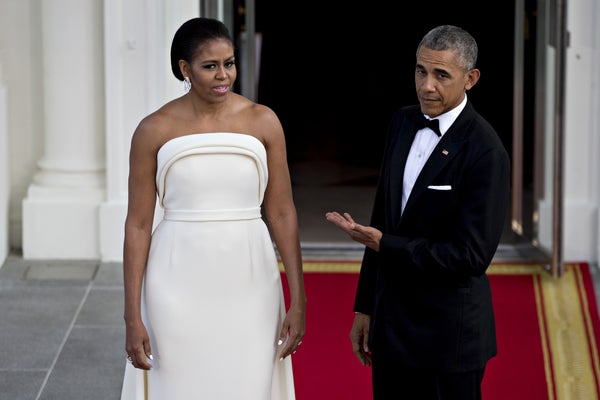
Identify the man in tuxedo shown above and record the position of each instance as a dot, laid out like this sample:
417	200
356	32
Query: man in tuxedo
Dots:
424	320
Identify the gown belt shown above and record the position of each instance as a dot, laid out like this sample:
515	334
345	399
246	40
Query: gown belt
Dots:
213	215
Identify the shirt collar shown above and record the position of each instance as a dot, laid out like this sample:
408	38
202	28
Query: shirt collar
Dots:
447	119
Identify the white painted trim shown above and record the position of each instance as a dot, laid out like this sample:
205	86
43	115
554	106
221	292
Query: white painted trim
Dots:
4	172
137	40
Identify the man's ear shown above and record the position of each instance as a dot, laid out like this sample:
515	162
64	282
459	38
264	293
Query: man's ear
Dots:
471	78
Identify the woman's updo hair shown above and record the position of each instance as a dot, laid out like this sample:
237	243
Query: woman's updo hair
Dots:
193	34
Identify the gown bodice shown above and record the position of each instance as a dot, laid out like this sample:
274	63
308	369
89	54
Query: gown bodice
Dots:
211	176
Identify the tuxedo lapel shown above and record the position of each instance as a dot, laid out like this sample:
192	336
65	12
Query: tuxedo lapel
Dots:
400	147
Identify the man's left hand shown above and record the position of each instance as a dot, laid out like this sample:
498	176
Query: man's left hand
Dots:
367	235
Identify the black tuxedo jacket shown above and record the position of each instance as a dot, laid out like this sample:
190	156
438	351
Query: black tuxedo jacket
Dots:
426	289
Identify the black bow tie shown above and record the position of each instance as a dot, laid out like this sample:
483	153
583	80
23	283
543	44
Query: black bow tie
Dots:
432	124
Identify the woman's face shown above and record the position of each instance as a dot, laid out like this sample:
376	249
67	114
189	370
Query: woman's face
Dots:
212	71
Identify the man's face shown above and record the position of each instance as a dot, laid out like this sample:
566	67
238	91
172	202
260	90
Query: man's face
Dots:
440	81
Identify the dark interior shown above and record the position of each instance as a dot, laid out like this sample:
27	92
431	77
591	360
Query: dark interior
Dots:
335	73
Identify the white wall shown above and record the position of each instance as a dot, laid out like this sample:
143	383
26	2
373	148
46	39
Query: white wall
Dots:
20	52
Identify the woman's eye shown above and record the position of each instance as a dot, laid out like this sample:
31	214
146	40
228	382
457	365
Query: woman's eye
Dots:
229	64
209	66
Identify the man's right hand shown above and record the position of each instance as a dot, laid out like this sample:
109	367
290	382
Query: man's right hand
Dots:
359	335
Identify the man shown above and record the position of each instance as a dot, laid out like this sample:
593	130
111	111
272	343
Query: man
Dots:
424	319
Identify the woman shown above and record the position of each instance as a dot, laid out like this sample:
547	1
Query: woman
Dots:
204	308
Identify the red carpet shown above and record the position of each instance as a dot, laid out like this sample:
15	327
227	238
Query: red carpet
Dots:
548	331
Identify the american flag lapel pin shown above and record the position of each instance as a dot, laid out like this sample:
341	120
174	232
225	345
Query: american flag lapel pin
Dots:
445	152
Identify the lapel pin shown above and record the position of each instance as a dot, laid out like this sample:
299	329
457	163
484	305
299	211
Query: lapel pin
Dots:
445	152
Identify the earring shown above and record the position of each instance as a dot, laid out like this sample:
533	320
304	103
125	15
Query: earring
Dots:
187	85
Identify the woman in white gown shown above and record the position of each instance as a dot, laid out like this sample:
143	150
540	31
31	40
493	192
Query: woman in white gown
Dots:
204	308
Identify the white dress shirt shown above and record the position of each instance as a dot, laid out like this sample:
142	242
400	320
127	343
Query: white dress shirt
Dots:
422	147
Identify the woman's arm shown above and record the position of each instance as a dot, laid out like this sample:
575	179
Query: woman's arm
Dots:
138	231
281	215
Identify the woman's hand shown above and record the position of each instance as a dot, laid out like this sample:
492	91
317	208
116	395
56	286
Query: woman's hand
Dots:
292	331
137	345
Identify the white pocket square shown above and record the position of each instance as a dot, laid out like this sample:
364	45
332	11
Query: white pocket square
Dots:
439	187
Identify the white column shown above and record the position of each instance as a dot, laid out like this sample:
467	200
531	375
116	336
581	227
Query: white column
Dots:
4	176
595	105
580	217
60	212
137	43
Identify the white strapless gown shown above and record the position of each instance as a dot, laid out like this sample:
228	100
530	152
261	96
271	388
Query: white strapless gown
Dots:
212	300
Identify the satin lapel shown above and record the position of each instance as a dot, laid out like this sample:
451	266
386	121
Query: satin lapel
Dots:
443	153
400	148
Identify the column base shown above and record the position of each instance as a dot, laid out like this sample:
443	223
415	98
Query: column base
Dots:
112	230
61	223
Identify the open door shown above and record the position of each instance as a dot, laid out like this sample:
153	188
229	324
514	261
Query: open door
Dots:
538	126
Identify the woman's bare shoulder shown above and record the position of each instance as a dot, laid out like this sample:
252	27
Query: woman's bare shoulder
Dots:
155	128
260	120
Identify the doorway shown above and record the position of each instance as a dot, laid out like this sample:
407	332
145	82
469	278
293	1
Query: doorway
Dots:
335	75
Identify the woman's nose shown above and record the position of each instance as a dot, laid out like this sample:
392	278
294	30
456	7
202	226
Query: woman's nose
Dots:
221	73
